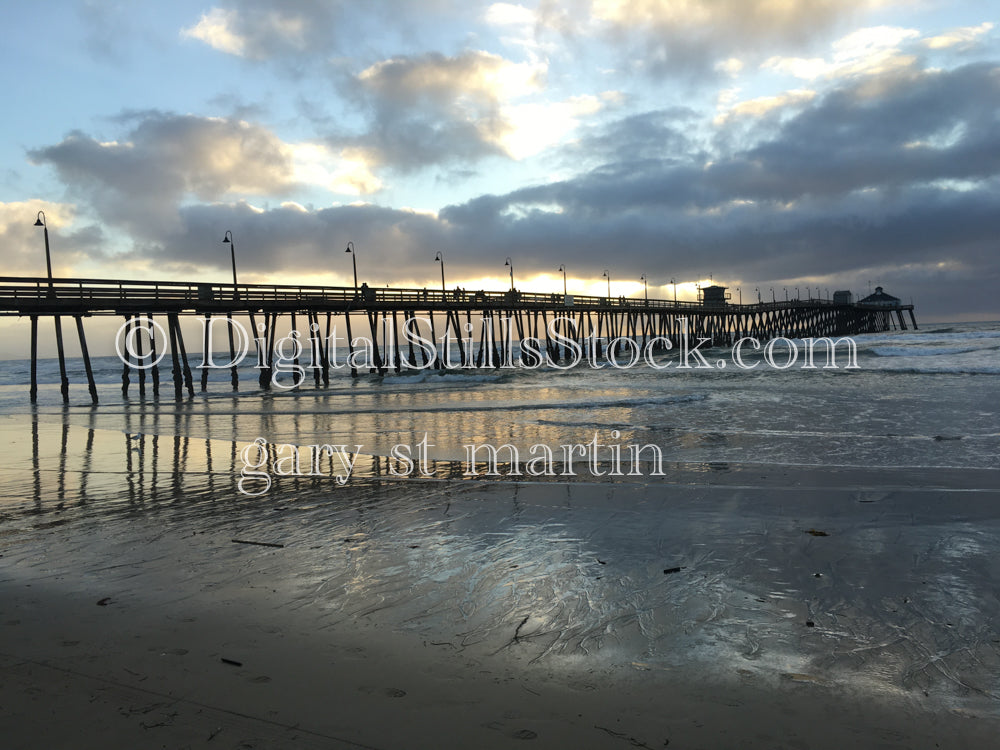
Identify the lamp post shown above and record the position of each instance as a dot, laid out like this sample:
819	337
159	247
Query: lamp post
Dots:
809	294
354	263
797	294
645	287
510	263
608	276
739	291
562	267
440	259
757	289
40	222
675	291
786	293
228	239
772	295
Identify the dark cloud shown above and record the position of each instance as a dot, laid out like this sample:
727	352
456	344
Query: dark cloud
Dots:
290	239
662	136
930	127
139	182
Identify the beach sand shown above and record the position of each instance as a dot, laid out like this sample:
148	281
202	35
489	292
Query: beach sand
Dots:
721	606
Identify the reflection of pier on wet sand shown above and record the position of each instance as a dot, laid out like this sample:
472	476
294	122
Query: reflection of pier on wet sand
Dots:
480	327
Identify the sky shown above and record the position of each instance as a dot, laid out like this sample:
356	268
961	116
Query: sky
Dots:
771	146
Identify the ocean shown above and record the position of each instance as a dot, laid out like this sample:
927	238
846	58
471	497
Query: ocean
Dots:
925	398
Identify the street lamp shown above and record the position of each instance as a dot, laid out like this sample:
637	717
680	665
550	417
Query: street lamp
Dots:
786	293
645	288
440	258
228	239
757	289
562	267
510	263
608	276
739	291
40	222
354	263
809	294
797	295
772	295
675	291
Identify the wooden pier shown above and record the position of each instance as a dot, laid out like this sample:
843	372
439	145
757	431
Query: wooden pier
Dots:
481	327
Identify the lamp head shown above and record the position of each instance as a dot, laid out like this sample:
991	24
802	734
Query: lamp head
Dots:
40	220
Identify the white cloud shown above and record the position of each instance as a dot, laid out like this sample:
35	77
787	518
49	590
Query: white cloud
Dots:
216	30
965	36
867	51
506	14
730	66
348	171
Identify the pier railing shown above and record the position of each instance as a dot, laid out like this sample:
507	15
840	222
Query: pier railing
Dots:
38	295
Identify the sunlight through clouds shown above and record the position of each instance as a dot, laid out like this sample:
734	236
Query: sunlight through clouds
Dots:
535	127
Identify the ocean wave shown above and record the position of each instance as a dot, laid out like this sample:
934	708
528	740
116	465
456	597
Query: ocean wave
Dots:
922	351
941	370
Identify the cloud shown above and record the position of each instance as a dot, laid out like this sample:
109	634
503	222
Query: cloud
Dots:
348	171
695	36
508	14
868	51
436	109
217	29
909	179
311	32
290	240
138	182
763	105
962	38
263	30
24	243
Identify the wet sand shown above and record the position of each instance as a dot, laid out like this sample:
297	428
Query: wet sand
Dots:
721	606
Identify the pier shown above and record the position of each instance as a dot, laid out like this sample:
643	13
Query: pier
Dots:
481	327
